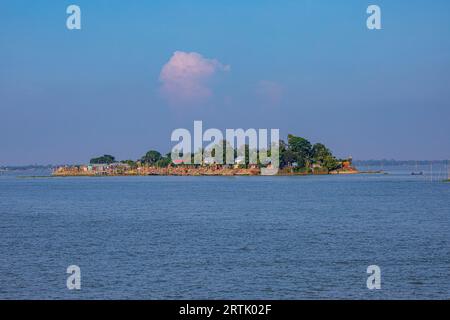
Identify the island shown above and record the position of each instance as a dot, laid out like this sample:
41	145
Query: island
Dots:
296	157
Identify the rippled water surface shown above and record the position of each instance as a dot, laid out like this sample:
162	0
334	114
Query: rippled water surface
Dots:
225	237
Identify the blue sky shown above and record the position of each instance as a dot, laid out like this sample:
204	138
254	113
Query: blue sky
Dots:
310	68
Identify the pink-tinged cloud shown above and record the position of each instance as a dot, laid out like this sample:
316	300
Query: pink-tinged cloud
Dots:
270	92
185	78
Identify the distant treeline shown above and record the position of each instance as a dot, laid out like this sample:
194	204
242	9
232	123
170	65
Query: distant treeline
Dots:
384	162
393	162
27	167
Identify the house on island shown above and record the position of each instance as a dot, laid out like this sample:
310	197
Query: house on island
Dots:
347	163
208	161
106	168
239	161
179	161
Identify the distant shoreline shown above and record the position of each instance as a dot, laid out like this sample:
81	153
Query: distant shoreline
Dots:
357	163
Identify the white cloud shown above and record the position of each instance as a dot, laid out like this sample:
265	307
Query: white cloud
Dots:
185	78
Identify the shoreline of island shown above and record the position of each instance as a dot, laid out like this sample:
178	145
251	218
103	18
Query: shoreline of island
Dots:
80	171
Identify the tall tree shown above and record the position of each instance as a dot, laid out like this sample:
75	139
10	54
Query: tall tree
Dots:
151	157
105	159
163	162
320	152
323	156
301	148
131	163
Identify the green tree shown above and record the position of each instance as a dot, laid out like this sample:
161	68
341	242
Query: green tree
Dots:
163	162
283	158
320	152
331	163
131	163
301	148
290	157
151	157
105	159
323	156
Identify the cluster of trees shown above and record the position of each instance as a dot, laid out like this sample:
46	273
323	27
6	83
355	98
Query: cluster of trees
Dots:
105	159
154	158
298	152
301	153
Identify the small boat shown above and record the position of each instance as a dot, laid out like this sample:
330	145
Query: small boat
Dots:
417	173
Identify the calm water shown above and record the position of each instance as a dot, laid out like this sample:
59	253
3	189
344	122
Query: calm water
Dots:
225	237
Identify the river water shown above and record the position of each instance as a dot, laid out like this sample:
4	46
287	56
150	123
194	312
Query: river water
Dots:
225	237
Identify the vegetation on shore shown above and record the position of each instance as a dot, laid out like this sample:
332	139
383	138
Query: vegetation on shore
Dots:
298	154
